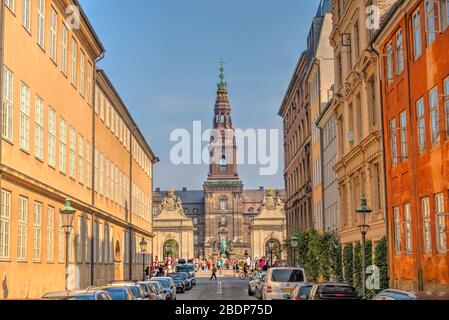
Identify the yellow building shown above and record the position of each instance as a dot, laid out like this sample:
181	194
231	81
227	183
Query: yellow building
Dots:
59	142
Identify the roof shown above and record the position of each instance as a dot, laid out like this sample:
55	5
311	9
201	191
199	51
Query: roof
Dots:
91	28
187	197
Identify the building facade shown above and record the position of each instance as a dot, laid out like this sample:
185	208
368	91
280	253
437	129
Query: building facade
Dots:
295	111
51	134
415	92
320	78
356	106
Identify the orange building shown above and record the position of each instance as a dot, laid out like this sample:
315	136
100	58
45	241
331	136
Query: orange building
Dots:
413	44
58	143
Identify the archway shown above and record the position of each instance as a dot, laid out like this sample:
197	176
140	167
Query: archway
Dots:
277	249
170	249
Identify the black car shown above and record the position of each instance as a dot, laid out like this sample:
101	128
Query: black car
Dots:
179	282
187	279
166	289
190	269
89	294
119	292
333	291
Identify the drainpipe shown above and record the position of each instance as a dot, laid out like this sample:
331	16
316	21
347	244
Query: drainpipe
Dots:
92	242
383	150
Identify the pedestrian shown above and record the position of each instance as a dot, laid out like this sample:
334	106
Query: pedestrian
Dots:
214	273
147	273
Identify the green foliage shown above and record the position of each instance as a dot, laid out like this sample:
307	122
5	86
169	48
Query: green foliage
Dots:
381	261
348	263
358	267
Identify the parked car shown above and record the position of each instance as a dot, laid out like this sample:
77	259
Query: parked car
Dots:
171	283
187	280
179	281
119	292
189	268
182	261
260	285
166	289
149	290
135	288
159	290
300	292
254	279
393	294
333	291
281	281
88	294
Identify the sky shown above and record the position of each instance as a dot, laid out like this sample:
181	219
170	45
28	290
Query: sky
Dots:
162	57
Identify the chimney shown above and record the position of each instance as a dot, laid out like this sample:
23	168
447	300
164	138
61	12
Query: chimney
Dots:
184	189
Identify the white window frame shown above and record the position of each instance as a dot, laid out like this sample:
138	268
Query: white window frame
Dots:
399	52
24	122
64	45
72	153
440	223
397	228
403	135
390	62
408	228
417	36
37	231
393	142
427	225
7	99
421	124
88	165
89	82
429	7
446	101
10	4
39	129
5	224
41	23
50	233
62	145
81	159
26	14
434	116
22	227
61	241
82	72
53	34
73	55
51	152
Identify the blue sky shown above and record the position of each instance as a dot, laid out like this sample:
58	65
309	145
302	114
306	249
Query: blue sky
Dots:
162	57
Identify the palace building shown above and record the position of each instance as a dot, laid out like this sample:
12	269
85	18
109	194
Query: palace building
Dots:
223	211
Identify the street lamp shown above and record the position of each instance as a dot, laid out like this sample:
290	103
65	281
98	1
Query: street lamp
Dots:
143	249
294	244
363	210
271	246
67	215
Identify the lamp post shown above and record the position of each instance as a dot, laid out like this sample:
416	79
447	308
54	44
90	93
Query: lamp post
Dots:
67	215
143	249
271	246
294	244
363	210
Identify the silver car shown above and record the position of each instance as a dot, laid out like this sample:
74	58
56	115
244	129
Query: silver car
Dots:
172	284
255	278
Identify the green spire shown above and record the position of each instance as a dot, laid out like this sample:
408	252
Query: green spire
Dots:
222	84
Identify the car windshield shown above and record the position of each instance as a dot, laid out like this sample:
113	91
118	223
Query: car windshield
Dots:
329	289
164	283
155	287
287	275
305	291
183	275
117	293
137	292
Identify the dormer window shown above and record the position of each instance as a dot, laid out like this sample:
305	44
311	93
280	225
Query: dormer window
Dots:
222	118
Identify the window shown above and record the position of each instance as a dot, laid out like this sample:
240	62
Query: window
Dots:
39	129
5	224
417	40
10	4
101	173
446	5
372	102
108	114
72	153
88	165
51	137
430	21
61	237
223	204
107	179
408	228
7	95
403	134
399	53
24	117
37	231
223	221
434	115
89	82
50	232
357	42
62	145
87	235
22	229
64	50
390	62
427	231
26	14
53	34
393	142
421	125
106	243
397	227
73	62
79	239
82	73
96	171
41	22
223	164
446	101
440	223
102	106
81	159
359	119
95	236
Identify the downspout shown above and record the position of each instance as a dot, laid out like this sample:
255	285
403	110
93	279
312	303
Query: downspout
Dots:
382	133
92	242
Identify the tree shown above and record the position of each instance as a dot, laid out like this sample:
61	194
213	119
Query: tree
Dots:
348	263
381	261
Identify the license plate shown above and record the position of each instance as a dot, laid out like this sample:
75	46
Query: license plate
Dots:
287	290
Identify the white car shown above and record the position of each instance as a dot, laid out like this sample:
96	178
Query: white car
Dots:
282	281
254	279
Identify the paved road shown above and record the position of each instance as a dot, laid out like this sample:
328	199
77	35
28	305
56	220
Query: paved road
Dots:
226	288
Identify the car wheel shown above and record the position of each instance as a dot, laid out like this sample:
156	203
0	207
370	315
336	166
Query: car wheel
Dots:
183	290
250	292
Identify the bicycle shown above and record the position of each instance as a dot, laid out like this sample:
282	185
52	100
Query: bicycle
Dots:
243	275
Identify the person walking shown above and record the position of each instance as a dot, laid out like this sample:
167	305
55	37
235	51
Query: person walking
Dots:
214	273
